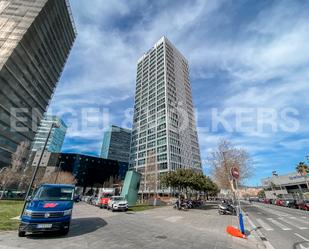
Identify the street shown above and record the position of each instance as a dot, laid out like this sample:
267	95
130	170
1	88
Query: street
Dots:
162	227
282	227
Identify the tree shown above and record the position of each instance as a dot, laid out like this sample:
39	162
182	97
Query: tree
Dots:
303	170
62	177
11	176
261	194
188	179
225	157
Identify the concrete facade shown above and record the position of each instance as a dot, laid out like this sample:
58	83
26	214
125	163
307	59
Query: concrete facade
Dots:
164	135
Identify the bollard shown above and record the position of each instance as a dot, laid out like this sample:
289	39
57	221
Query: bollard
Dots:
241	223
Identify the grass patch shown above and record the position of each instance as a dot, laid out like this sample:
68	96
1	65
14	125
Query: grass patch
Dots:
8	210
142	207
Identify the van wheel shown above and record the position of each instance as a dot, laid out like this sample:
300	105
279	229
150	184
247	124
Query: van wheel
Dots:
64	231
21	233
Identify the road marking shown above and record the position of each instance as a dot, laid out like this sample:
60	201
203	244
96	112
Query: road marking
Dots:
274	212
266	243
282	226
298	235
292	224
264	225
300	220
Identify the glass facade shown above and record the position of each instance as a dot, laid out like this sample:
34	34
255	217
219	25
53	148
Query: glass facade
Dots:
56	137
116	144
36	37
164	135
89	171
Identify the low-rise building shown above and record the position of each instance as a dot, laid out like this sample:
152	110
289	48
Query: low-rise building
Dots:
287	185
89	171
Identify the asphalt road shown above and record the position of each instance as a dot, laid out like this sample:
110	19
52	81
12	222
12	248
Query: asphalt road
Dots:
164	228
283	228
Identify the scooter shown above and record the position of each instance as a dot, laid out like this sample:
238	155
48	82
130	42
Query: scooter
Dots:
226	208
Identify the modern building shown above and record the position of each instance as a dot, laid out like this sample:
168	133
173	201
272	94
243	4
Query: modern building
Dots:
88	170
116	144
287	185
35	40
56	137
164	135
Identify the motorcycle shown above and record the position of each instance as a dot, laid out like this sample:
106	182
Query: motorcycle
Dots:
180	205
226	208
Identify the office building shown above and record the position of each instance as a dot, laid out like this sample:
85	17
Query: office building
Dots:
35	40
291	185
116	144
56	137
89	171
164	132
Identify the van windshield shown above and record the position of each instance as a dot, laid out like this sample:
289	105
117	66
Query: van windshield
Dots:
53	193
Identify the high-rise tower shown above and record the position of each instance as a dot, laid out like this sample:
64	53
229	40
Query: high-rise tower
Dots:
164	134
35	40
116	144
56	137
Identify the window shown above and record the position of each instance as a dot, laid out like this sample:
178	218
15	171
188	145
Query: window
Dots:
151	144
162	149
161	126
161	133
161	141
143	140
142	147
162	166
151	152
161	157
141	154
141	162
151	131
142	134
151	137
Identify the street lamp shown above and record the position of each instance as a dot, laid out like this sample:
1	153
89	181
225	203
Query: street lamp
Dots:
54	125
58	171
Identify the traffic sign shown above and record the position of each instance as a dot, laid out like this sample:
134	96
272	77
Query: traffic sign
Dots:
235	173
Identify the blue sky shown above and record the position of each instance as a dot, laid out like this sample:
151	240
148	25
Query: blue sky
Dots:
244	56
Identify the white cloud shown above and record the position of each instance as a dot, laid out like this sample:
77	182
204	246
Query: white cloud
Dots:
265	62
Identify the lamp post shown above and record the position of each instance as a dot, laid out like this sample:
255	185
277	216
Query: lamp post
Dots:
54	125
58	171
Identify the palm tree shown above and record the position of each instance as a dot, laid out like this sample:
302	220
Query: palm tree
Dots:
303	170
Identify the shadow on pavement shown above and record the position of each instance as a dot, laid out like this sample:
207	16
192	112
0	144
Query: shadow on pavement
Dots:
208	206
79	226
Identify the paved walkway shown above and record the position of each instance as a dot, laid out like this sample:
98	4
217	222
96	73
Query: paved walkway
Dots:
158	228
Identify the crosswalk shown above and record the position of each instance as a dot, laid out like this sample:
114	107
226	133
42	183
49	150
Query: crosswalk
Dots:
285	223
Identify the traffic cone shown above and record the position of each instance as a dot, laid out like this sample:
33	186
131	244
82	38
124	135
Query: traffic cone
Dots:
235	232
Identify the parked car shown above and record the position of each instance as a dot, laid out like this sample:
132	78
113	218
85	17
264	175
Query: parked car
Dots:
103	203
290	203
304	205
279	202
117	203
267	201
94	200
49	210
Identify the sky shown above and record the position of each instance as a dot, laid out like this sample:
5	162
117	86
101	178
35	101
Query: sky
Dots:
248	69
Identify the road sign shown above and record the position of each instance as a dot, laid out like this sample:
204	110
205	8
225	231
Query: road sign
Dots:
235	173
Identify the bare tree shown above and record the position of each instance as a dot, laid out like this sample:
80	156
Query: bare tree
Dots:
62	177
11	176
225	157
